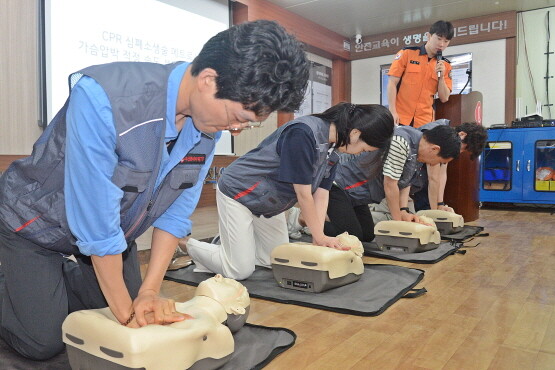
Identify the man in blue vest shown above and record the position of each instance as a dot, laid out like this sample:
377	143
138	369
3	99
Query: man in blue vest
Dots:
129	150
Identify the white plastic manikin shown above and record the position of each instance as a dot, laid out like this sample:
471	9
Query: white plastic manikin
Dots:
411	230
175	346
229	293
338	263
443	216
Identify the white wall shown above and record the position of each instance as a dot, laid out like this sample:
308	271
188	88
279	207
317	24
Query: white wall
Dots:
488	77
318	59
531	48
19	77
365	79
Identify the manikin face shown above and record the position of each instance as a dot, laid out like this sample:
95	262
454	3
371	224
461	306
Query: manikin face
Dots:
231	294
352	242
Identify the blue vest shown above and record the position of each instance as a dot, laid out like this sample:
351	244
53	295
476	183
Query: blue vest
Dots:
252	178
32	189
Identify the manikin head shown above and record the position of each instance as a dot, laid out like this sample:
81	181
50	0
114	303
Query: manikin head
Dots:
230	293
353	242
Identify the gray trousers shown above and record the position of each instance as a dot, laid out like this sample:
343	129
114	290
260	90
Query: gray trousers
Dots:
380	211
39	288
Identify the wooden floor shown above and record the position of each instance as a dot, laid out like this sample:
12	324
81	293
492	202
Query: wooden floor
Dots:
492	308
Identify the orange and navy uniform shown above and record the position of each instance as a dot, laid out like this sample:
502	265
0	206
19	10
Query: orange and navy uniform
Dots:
418	85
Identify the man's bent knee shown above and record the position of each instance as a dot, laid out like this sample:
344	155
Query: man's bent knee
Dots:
239	274
46	352
33	349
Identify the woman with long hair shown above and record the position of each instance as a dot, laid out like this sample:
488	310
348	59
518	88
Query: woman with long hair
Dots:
296	163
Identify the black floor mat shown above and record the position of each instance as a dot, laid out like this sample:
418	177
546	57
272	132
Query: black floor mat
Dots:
255	347
465	234
379	287
444	250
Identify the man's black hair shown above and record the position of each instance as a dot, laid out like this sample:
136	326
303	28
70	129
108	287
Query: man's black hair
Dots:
374	122
476	137
259	65
443	29
446	138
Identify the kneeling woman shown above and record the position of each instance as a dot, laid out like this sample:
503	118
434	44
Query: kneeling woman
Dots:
296	163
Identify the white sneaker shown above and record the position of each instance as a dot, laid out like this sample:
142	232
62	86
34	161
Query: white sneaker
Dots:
200	268
192	247
305	230
296	235
293	225
180	257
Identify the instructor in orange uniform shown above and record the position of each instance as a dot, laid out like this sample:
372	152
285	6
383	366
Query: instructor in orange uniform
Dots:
415	76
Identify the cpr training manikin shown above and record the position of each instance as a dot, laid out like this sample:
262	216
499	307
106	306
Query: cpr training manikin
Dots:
399	237
96	340
447	222
312	268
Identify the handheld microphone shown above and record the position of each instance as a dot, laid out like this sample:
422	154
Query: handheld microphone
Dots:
439	57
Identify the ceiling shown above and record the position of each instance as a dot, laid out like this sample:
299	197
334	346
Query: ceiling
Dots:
370	17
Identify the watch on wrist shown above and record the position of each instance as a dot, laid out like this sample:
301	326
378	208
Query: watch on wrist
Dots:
440	203
405	209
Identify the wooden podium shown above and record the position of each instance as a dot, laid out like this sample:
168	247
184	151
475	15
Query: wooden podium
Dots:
462	188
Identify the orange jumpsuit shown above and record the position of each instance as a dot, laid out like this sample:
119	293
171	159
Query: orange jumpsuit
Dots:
418	85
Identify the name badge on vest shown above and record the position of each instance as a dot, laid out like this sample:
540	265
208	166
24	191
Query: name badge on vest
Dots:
192	158
414	62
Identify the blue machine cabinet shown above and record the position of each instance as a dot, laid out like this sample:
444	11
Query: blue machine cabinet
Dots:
518	166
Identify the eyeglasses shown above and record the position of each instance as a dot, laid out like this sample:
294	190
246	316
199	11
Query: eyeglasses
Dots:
247	125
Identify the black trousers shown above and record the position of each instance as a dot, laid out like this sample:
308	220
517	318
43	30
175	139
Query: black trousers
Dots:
421	200
356	220
39	288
